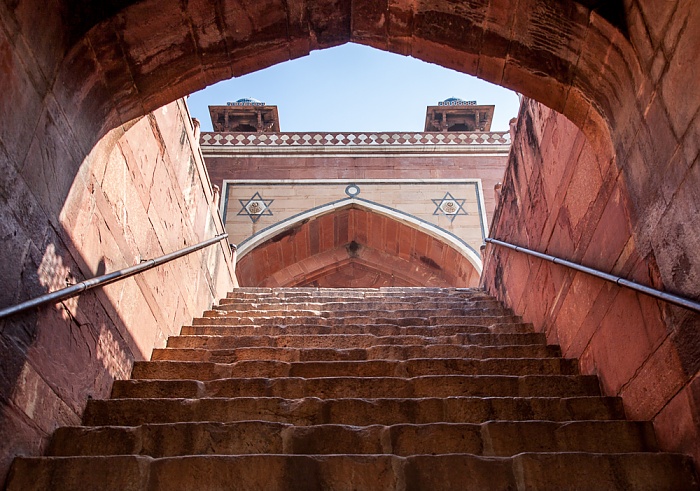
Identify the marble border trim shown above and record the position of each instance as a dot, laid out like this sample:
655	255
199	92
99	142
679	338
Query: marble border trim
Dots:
478	189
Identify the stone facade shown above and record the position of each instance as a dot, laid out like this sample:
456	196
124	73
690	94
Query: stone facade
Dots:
273	184
450	209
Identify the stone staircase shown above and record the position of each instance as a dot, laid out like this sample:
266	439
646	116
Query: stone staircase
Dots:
391	389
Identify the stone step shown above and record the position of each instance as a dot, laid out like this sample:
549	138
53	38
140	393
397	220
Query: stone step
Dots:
272	472
493	438
371	387
348	411
374	329
486	320
392	388
349	294
344	341
409	312
339	306
172	370
364	306
384	291
382	352
357	299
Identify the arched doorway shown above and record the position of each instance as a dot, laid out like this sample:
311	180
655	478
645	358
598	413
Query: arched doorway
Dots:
356	246
549	51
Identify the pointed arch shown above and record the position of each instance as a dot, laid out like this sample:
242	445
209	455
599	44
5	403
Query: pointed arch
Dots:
156	51
442	235
353	243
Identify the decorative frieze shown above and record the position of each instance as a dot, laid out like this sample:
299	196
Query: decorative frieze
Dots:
353	139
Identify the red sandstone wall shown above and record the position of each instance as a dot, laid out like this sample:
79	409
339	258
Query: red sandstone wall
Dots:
562	197
143	191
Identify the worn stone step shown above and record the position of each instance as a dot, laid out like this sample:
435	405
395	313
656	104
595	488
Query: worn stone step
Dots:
380	302
430	301
340	305
493	438
350	293
375	329
171	370
348	411
271	472
411	311
381	352
329	296
345	341
228	304
342	316
358	298
380	318
371	387
354	389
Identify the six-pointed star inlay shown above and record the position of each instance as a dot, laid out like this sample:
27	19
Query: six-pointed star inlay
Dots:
255	207
449	206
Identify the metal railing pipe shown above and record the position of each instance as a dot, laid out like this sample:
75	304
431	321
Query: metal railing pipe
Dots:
106	279
667	297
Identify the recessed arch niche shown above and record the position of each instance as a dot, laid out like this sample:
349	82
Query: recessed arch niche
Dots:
355	246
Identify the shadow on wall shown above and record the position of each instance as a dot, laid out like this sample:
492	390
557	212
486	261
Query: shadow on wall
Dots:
563	198
142	192
53	361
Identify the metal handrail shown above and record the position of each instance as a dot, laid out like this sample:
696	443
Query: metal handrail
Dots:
105	279
668	297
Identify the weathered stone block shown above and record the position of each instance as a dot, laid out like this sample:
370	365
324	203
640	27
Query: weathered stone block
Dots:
658	379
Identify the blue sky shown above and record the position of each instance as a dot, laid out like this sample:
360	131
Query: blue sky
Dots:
355	88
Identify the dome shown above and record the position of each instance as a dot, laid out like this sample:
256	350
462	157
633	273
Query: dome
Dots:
248	100
456	101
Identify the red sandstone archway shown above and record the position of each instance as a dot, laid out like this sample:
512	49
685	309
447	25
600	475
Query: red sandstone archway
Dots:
126	59
558	52
355	247
74	69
